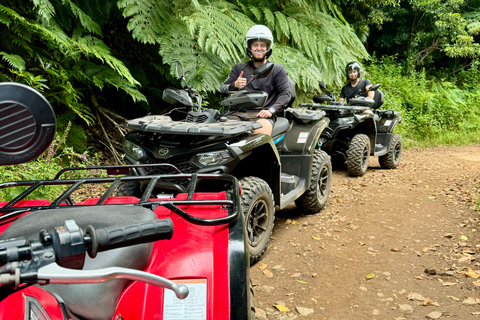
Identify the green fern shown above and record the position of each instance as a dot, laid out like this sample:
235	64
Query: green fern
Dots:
15	61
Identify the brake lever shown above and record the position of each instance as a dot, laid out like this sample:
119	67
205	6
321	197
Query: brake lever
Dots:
54	274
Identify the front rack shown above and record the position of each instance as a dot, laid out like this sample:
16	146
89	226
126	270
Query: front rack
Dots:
13	209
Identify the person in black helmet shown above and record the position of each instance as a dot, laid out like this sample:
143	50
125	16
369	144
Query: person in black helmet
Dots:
355	85
259	43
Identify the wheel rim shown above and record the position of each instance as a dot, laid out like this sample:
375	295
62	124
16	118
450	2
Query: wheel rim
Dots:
322	184
397	152
257	222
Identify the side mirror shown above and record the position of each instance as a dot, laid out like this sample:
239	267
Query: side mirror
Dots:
179	70
322	85
263	70
27	123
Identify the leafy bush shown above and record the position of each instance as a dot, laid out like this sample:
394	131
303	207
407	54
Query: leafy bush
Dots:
58	156
435	111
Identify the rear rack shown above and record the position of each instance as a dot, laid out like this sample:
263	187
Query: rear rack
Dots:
12	210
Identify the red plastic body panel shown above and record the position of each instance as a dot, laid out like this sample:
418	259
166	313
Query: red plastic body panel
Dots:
194	252
13	308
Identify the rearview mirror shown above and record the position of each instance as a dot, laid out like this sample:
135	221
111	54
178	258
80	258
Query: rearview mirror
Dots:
27	123
262	71
322	85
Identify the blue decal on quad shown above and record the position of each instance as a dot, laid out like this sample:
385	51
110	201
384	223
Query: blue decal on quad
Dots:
279	139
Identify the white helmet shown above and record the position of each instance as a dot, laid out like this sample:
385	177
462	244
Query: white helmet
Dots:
259	32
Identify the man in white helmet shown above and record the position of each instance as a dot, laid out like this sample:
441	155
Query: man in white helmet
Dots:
259	43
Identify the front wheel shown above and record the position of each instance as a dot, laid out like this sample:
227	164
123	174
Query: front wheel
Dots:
259	213
394	154
315	198
129	189
358	155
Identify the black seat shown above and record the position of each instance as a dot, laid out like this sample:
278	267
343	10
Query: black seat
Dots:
282	124
379	98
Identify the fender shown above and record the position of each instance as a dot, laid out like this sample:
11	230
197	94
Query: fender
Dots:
303	138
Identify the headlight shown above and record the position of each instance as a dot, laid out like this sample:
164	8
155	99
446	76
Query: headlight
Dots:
345	120
134	151
213	158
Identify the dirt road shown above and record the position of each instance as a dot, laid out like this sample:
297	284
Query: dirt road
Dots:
393	244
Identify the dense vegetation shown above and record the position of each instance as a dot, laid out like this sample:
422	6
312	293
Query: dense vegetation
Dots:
101	61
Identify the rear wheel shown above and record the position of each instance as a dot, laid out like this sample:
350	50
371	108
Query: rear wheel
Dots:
314	199
358	155
394	154
259	212
129	189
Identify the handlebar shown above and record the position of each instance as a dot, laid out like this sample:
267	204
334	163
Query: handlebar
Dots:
38	261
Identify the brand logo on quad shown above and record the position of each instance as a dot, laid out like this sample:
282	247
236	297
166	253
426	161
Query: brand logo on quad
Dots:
163	151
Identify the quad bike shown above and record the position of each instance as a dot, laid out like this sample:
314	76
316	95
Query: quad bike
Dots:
173	257
353	135
275	170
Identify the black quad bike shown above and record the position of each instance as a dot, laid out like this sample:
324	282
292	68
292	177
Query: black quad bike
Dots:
353	135
275	170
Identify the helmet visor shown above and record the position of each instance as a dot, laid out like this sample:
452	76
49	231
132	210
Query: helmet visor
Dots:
259	45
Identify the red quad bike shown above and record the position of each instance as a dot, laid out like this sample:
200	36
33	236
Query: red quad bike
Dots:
101	258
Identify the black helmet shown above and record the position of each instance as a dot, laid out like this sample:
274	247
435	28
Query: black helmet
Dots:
259	32
354	65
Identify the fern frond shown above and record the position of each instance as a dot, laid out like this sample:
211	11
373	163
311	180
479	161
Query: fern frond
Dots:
45	9
84	19
146	18
269	18
15	61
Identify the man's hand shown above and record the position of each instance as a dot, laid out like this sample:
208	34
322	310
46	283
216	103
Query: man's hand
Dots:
240	82
264	114
370	94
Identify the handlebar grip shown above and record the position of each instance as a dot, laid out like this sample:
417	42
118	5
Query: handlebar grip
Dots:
122	236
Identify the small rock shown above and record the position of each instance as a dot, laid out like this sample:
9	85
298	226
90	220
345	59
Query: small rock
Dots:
449	235
416	296
270	311
376	312
406	308
266	289
278	268
363	288
304	312
450	273
260	314
470	301
434	315
430	271
396	249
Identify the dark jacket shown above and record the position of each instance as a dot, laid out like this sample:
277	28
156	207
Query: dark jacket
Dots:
349	92
276	84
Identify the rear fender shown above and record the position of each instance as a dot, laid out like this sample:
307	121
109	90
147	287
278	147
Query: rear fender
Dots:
303	138
388	124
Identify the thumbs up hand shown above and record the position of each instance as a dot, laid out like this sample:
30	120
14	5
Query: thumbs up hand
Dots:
241	81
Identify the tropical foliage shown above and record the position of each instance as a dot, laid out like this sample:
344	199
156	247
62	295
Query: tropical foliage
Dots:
100	61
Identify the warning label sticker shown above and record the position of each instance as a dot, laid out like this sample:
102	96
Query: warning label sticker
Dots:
193	307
